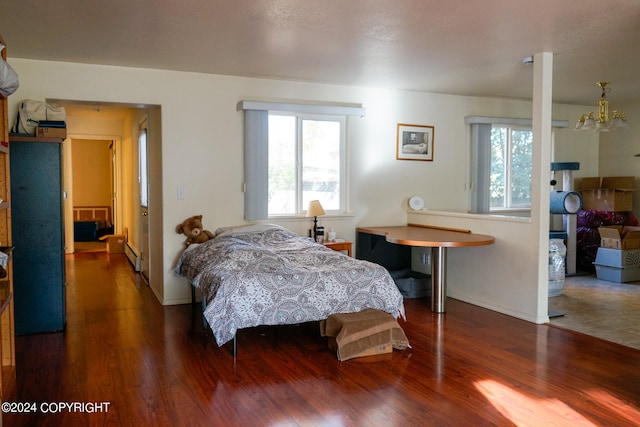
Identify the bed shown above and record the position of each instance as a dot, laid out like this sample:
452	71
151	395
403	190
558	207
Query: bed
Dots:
91	222
264	274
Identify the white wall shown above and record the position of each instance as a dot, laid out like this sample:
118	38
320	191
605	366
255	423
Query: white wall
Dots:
618	149
202	153
575	146
503	276
92	172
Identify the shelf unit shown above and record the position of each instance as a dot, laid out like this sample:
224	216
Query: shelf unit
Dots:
38	234
7	335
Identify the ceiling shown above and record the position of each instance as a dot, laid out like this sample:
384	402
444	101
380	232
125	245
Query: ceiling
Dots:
454	46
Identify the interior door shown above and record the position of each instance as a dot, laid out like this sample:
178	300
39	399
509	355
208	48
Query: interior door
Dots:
143	180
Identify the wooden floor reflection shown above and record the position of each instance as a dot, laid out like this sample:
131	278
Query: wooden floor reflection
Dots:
156	365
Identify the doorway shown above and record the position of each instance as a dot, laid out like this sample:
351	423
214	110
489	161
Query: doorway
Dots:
118	124
91	193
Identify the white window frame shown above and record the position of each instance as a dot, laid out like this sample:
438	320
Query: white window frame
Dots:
300	205
256	141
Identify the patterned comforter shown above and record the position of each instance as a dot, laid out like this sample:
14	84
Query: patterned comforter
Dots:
267	275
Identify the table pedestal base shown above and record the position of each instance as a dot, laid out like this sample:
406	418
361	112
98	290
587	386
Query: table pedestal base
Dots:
438	279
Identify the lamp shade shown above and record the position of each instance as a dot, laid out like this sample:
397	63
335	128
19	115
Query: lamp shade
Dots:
589	123
315	209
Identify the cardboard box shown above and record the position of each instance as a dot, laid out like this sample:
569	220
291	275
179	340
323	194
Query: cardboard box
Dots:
115	242
371	351
618	275
619	237
365	333
608	193
619	258
51	132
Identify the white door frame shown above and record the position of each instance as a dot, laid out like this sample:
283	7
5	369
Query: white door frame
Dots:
67	165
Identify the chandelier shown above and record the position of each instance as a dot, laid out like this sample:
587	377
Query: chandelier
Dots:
601	121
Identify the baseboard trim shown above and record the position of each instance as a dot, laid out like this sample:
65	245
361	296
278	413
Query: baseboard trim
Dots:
133	256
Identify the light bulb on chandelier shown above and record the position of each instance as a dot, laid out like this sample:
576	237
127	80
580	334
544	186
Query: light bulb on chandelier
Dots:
601	121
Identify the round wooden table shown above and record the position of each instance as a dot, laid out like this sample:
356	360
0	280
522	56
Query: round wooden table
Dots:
438	239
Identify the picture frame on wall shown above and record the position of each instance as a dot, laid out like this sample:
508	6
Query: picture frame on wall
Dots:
414	142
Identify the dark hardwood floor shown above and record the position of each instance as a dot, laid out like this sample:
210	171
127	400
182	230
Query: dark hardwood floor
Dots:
155	365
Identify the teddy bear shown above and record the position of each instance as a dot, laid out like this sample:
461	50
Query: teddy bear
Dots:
192	228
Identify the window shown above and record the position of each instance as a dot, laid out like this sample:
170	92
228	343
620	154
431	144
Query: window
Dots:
143	168
511	164
294	153
306	162
501	163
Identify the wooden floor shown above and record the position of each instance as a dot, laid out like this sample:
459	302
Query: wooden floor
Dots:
155	365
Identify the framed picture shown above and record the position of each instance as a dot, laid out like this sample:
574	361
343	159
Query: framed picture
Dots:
414	142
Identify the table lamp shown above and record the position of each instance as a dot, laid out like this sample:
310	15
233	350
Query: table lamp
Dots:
315	210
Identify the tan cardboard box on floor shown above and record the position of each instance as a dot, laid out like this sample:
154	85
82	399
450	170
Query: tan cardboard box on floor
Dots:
365	333
115	242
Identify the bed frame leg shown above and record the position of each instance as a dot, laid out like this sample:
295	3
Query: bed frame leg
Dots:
235	345
204	320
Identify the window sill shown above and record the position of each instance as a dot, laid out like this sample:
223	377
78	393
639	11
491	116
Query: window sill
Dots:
510	211
490	216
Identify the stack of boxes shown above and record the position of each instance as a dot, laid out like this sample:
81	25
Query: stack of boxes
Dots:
618	257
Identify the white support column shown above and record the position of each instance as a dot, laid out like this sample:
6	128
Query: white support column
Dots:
540	205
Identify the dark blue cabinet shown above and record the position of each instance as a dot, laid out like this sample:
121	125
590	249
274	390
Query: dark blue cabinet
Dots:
38	235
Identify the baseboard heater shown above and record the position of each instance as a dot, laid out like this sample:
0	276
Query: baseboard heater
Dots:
133	256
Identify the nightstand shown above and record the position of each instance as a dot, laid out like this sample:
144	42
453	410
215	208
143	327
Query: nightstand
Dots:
339	246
